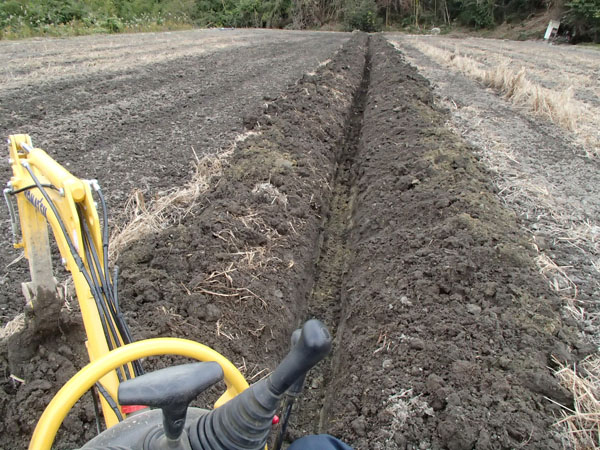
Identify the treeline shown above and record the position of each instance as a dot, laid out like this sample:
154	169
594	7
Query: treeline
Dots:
368	15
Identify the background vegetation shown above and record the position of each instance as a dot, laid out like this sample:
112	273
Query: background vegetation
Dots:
24	18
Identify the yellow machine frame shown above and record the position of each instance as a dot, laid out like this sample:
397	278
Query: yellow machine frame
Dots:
68	194
34	213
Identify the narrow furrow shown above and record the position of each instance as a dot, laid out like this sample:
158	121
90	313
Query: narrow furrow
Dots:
327	297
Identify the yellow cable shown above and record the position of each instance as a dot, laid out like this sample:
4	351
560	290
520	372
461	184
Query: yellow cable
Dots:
82	381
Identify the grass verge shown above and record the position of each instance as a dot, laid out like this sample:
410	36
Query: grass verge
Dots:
560	107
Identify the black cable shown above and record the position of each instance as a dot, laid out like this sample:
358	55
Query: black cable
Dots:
94	264
96	412
103	313
101	279
112	338
111	401
284	423
111	295
26	188
138	369
105	288
124	328
104	230
72	249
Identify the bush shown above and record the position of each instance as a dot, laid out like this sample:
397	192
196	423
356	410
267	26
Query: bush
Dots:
584	17
112	24
477	13
361	15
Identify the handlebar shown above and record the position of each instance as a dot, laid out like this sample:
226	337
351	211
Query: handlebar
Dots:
243	423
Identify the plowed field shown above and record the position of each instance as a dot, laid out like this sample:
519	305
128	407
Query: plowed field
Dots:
340	190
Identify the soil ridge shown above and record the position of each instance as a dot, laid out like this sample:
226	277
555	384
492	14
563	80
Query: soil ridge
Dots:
236	272
450	326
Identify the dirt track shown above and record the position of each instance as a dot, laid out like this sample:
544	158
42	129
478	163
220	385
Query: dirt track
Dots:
354	203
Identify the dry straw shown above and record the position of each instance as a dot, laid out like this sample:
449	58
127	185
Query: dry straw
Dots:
583	421
560	107
171	207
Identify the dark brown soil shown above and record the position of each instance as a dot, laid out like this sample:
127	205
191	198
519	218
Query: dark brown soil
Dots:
355	205
448	322
140	128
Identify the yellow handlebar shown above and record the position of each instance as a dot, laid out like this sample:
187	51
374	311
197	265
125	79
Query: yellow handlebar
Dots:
82	381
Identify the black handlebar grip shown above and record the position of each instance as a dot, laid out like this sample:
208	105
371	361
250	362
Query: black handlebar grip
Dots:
244	422
296	389
171	389
312	346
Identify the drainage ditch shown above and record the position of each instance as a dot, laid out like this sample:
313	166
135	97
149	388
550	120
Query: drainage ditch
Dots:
327	298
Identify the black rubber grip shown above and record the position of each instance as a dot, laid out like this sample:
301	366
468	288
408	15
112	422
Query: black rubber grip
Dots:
296	389
171	389
175	385
314	344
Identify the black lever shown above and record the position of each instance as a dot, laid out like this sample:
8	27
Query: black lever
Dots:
312	346
294	391
171	389
244	422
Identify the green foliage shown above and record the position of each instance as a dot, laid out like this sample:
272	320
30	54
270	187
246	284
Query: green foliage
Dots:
112	24
361	15
584	17
244	13
24	18
40	12
476	13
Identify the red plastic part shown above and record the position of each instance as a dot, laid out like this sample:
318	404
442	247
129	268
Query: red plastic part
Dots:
128	409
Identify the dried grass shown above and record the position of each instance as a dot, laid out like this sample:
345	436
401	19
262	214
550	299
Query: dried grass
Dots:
583	421
171	207
558	106
12	327
168	209
271	192
406	404
560	282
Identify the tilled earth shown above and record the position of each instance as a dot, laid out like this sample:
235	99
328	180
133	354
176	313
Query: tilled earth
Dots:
134	111
353	203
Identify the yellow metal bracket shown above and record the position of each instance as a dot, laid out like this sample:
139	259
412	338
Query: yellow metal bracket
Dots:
66	194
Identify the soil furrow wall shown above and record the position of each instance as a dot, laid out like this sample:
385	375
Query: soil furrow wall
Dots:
448	329
326	300
236	272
